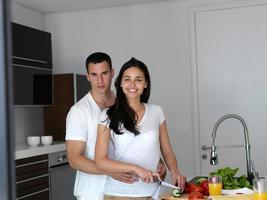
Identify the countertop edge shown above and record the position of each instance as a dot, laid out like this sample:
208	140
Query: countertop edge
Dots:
26	151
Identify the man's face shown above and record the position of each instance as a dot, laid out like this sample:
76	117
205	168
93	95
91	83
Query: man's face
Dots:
100	76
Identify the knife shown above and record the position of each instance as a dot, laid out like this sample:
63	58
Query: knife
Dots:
163	183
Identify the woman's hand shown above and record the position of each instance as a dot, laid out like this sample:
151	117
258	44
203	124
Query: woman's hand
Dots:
178	179
146	175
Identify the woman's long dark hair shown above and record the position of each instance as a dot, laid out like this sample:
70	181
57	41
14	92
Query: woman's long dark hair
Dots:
121	114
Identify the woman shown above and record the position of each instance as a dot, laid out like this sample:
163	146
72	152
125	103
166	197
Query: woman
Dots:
138	132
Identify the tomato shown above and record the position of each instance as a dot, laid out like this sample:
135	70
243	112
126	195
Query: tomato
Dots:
202	188
195	196
199	189
205	185
186	188
192	187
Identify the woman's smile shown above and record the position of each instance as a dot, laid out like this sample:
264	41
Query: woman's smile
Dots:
132	90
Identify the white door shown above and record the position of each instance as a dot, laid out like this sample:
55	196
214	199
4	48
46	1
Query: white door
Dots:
231	77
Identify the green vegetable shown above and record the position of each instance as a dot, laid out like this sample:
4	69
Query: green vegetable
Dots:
229	181
176	193
200	180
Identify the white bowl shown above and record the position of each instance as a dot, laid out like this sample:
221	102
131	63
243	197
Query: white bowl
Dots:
33	141
47	139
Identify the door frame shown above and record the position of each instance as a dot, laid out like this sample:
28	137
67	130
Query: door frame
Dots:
7	164
193	57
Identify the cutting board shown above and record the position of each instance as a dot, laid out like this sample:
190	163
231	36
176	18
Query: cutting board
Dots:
170	197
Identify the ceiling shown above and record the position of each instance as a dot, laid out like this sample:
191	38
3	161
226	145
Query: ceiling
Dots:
48	6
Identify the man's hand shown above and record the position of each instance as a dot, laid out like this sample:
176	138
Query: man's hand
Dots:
125	177
161	169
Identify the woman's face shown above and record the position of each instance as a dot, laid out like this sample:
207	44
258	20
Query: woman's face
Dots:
133	83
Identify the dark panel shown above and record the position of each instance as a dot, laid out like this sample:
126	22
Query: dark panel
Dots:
31	159
32	186
31	171
32	86
28	171
82	86
40	196
33	44
42	89
63	99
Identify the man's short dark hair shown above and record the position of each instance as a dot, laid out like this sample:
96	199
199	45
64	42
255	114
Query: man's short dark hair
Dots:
98	57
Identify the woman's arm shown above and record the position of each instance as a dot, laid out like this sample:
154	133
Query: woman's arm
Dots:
113	166
169	156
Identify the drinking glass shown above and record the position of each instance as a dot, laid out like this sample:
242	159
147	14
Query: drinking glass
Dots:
260	188
215	185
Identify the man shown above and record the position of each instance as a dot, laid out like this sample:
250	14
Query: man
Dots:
81	130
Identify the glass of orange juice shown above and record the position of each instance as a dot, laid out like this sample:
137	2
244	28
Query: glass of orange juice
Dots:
215	185
260	188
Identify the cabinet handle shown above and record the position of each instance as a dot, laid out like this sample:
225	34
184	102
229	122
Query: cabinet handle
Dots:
28	195
30	179
32	163
28	59
33	67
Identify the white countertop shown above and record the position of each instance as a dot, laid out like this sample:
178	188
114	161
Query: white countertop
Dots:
24	151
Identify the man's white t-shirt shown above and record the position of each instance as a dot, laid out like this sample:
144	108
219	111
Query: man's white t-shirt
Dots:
142	150
81	124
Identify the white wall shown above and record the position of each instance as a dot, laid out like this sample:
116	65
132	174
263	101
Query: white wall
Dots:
27	120
156	33
27	17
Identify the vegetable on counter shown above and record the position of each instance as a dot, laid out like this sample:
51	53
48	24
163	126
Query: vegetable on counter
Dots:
229	181
176	193
199	186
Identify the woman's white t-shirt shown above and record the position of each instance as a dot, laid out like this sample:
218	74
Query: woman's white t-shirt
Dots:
142	150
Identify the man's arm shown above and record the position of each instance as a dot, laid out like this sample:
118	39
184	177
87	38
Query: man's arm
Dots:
77	160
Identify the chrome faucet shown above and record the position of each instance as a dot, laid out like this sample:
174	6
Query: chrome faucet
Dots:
213	154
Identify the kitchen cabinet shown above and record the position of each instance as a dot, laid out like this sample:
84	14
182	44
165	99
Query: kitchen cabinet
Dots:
32	86
32	178
67	89
31	46
32	66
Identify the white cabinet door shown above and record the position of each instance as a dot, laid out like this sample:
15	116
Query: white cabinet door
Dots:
231	77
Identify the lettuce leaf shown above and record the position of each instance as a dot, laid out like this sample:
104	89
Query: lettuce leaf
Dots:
229	180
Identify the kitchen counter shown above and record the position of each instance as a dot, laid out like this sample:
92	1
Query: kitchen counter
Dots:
24	151
168	196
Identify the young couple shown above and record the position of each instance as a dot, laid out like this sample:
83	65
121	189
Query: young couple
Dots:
122	137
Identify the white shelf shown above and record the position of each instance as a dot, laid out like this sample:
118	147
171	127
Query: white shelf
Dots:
24	151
